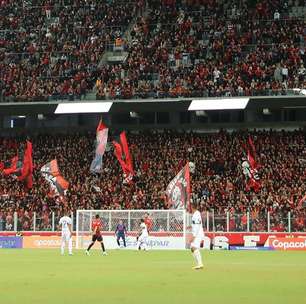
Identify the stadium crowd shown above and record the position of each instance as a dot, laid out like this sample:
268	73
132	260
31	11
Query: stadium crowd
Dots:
178	48
211	48
53	48
218	183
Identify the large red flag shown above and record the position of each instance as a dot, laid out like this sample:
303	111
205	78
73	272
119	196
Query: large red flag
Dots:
22	166
26	172
123	155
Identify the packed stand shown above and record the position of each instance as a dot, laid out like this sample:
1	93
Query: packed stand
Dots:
218	182
198	48
52	49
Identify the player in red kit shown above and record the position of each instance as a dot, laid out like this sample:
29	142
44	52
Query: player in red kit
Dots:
96	228
148	221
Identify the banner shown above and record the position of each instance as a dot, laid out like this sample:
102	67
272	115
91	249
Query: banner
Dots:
278	243
178	190
10	242
153	242
101	141
156	240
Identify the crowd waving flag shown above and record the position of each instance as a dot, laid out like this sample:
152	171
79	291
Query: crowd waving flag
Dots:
250	167
21	166
178	190
123	155
101	141
51	173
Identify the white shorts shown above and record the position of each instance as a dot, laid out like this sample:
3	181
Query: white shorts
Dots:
142	238
196	242
66	236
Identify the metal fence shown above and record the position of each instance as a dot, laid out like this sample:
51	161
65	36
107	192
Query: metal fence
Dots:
253	222
212	222
31	222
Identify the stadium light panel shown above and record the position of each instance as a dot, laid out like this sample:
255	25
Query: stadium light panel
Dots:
83	107
218	104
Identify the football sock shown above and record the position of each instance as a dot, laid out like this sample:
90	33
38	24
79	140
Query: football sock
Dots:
63	247
90	246
102	245
198	257
70	245
195	258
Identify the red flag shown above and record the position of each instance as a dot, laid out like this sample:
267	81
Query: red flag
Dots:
252	146
252	161
22	167
178	190
123	155
27	166
126	152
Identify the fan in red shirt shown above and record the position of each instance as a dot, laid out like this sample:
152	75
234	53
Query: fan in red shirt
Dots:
96	228
148	222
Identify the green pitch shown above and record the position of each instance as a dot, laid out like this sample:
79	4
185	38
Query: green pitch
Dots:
43	276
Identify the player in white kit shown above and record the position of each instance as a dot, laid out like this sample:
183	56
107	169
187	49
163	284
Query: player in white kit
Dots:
66	222
143	236
197	236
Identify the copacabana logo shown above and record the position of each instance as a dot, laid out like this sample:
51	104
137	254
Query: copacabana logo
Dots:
289	244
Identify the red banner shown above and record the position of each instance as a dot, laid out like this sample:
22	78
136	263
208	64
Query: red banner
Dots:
280	241
247	238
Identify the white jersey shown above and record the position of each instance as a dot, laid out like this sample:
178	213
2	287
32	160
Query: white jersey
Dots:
197	227
144	230
64	222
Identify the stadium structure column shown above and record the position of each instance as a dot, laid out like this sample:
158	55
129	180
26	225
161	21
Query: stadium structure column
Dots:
249	116
31	121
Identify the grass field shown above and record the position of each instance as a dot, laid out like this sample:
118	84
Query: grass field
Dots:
44	276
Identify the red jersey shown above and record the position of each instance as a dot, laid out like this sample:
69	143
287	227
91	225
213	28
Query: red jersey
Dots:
148	223
96	225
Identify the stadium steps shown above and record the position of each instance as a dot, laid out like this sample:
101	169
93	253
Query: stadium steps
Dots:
111	56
